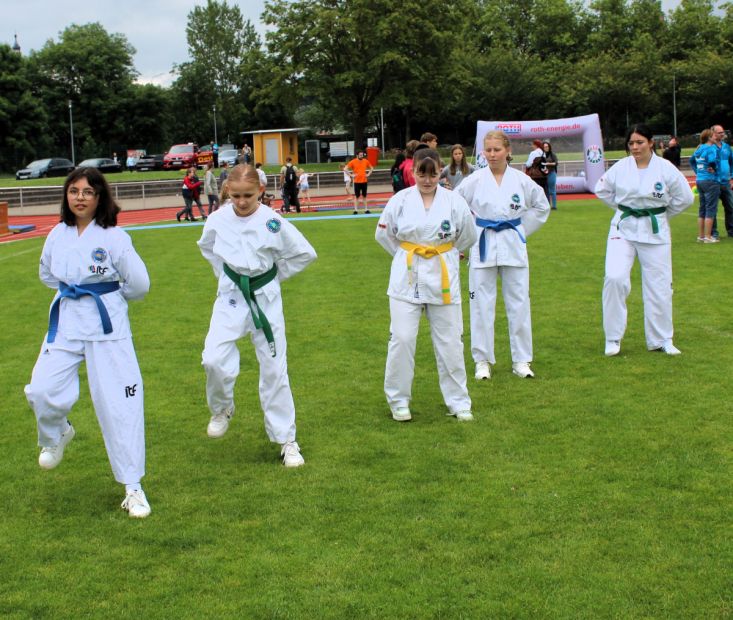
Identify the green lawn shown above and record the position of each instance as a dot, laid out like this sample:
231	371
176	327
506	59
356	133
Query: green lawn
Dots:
600	489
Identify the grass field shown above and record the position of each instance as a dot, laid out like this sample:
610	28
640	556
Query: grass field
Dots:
600	489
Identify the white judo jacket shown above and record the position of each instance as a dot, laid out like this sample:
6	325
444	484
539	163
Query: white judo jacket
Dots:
518	196
251	245
97	255
405	219
660	185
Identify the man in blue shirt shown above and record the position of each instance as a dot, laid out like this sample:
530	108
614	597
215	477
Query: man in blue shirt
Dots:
725	164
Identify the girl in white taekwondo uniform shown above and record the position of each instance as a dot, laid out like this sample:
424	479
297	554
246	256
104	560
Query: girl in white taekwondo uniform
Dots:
96	270
644	190
424	228
252	250
509	206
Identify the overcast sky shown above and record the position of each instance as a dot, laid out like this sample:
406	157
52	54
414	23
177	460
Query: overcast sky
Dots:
155	28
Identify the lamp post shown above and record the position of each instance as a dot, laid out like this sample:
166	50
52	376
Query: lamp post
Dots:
71	125
674	104
216	141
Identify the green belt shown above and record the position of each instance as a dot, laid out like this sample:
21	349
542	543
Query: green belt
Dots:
248	285
652	213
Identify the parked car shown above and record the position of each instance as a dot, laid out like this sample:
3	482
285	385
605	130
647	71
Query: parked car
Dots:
103	164
55	167
150	162
229	156
181	156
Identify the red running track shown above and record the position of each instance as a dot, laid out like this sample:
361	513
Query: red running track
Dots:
44	223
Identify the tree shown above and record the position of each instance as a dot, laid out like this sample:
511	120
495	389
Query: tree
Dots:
348	56
22	117
93	69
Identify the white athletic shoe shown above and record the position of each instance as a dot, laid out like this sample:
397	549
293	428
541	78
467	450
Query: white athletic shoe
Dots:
291	454
462	416
219	423
401	414
136	504
51	457
483	371
522	369
613	347
669	349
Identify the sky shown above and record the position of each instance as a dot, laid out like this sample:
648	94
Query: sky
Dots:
155	28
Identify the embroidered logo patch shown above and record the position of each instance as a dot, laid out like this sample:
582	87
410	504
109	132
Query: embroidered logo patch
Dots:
99	255
515	198
445	225
658	186
273	225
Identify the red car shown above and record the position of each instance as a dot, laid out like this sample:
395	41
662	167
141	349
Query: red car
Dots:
181	156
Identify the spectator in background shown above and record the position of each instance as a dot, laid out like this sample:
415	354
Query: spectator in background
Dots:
263	179
361	168
348	180
430	139
211	188
215	153
398	183
406	166
725	163
130	163
704	162
550	165
458	168
536	152
224	172
289	183
537	172
673	152
247	154
304	186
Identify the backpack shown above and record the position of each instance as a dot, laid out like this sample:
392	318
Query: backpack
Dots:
291	178
398	181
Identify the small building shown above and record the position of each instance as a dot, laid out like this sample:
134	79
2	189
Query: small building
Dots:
273	146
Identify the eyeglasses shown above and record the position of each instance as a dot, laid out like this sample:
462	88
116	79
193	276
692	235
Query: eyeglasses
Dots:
86	193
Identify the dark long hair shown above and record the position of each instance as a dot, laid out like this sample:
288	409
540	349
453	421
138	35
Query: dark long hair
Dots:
107	208
644	131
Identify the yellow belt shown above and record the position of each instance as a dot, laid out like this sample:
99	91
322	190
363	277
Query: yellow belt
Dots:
430	251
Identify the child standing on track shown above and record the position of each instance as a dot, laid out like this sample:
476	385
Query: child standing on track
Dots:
96	270
424	228
251	249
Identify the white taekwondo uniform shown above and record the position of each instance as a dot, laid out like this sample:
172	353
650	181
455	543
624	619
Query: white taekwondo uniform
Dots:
660	186
517	198
448	220
251	246
96	256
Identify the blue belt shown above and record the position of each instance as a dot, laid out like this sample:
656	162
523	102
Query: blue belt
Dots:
496	225
75	291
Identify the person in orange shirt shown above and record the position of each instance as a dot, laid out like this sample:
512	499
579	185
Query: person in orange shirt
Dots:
361	168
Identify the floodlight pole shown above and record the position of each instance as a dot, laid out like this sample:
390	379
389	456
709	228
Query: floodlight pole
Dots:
216	141
381	113
71	125
674	105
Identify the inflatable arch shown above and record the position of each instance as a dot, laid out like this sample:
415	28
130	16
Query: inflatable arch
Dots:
588	127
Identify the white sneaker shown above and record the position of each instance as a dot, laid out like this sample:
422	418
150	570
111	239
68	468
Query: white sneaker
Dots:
613	347
483	371
522	369
291	454
462	416
219	423
136	504
51	457
669	349
401	414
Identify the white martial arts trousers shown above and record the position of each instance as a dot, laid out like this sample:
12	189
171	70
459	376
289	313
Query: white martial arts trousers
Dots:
482	282
116	387
446	330
656	287
229	323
